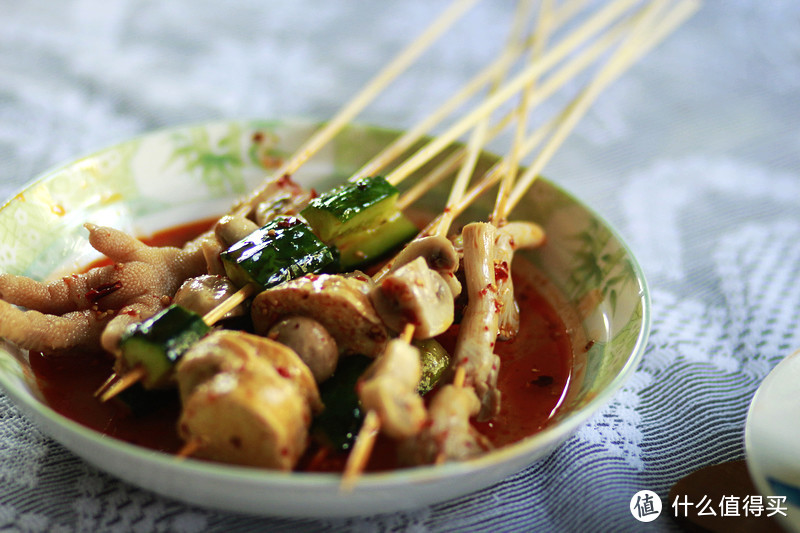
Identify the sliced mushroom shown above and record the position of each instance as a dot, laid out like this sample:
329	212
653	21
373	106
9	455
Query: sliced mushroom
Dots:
203	293
231	229
334	301
311	341
389	387
438	252
414	294
523	234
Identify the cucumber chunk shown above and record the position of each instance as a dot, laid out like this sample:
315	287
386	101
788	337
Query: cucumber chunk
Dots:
283	249
369	244
139	402
158	342
338	425
435	360
365	202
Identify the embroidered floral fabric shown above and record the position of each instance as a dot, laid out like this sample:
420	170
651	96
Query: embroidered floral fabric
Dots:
694	156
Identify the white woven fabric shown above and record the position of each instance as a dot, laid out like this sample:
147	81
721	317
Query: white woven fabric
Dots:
694	156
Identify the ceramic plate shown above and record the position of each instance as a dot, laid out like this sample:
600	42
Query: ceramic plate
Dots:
179	175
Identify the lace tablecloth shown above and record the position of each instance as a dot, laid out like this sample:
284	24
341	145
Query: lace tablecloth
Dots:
694	156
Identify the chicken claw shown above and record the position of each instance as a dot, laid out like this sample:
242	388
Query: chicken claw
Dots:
80	310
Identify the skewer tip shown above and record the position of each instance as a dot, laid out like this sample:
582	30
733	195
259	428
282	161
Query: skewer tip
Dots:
188	449
106	384
124	382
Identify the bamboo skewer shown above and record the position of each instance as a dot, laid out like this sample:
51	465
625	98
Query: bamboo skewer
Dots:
524	80
121	383
564	122
188	449
408	138
396	67
479	135
113	378
216	314
493	71
446	167
649	35
543	34
586	31
567	72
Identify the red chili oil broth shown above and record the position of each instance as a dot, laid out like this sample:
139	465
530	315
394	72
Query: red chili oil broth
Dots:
534	375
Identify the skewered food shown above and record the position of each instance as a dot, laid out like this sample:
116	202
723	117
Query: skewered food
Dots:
283	249
156	344
361	220
94	308
389	387
337	302
478	332
310	341
414	294
246	400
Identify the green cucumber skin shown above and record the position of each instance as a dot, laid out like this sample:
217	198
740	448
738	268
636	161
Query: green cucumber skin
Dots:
338	425
282	250
158	342
362	247
350	206
140	401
